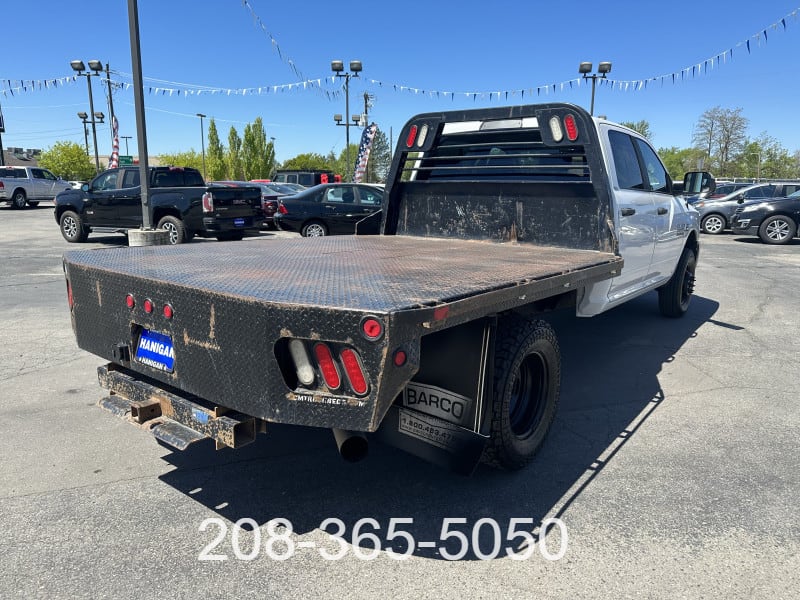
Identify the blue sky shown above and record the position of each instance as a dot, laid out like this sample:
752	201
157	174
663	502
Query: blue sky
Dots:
256	53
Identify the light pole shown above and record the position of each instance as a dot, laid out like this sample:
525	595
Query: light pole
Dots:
126	138
337	66
97	118
603	69
203	143
97	67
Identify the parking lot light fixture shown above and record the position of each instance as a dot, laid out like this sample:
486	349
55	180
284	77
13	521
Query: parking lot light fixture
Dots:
337	66
585	69
203	142
96	66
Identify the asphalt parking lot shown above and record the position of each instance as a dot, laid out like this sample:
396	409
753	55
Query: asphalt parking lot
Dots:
672	465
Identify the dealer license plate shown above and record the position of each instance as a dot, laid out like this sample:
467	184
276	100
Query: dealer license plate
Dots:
239	222
155	350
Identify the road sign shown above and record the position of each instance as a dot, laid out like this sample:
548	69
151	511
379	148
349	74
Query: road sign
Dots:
125	160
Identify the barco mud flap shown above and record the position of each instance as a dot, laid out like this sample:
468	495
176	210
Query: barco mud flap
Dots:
432	439
173	418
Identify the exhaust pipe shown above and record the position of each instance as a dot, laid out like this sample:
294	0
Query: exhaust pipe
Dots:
353	445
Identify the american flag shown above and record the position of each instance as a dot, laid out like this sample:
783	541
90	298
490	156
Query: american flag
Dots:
113	162
363	152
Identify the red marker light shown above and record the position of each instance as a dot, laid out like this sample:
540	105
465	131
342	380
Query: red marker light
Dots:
354	371
572	127
148	306
330	372
168	312
400	358
371	328
412	134
70	299
130	302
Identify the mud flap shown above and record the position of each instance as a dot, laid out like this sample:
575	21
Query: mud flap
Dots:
432	439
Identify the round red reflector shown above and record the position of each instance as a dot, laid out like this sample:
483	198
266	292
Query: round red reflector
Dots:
412	134
168	312
372	328
400	358
572	127
129	301
148	306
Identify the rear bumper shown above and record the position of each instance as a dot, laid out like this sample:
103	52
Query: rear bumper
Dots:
173	417
249	223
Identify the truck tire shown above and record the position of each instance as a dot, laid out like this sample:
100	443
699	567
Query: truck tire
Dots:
714	224
777	229
18	199
527	380
230	236
72	228
314	229
675	295
175	228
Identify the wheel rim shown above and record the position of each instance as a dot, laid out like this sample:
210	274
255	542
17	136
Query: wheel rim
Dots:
527	401
19	201
315	230
173	232
687	288
69	226
777	230
713	225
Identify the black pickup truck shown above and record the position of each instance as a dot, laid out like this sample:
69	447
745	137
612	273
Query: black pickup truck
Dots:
431	336
182	204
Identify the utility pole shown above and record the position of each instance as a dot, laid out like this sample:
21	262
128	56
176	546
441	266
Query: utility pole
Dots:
110	101
2	130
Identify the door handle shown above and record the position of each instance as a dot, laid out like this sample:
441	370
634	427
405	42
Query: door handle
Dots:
627	212
662	210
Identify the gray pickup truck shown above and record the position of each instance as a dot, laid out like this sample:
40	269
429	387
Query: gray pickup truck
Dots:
27	186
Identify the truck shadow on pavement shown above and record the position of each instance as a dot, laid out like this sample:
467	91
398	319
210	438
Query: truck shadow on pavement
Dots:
610	385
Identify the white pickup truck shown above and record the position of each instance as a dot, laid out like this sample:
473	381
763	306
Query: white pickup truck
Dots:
27	186
432	336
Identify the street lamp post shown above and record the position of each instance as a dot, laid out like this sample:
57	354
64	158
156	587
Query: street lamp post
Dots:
126	138
97	67
603	69
337	66
96	118
203	142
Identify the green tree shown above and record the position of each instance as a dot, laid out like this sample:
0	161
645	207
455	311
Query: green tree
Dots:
380	158
722	134
269	160
341	165
254	151
191	158
216	168
234	157
308	161
680	160
642	127
68	160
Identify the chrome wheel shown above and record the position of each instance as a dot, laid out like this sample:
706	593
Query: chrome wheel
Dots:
713	224
69	226
314	230
172	230
777	230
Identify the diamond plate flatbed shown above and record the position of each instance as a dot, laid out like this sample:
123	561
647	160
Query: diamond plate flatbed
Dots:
234	303
369	273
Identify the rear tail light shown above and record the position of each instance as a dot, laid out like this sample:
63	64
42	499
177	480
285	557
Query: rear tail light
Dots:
572	127
282	209
208	202
354	371
327	366
412	134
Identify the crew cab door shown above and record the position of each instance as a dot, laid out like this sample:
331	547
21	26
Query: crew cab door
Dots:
45	185
636	213
102	209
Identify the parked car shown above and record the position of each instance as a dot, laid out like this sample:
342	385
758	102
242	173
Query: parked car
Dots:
330	209
75	184
722	189
716	214
270	194
774	221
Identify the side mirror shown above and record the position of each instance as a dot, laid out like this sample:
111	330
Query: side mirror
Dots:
698	182
740	199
